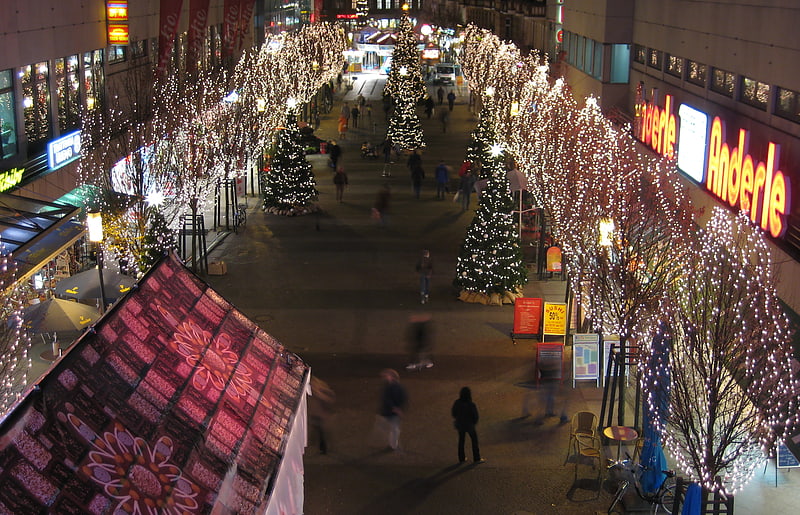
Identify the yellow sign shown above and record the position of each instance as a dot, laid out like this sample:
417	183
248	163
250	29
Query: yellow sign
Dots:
10	178
555	318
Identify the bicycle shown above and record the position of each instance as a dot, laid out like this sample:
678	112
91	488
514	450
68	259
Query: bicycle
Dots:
239	216
662	499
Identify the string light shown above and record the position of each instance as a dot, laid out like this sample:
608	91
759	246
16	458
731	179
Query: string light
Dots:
731	395
406	87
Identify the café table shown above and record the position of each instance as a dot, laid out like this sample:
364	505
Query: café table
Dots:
620	434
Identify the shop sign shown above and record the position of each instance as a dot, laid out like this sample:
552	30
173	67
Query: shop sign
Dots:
656	127
117	22
10	178
64	150
527	315
555	318
731	173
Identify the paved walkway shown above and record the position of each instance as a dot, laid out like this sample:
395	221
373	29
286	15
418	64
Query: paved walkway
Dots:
338	290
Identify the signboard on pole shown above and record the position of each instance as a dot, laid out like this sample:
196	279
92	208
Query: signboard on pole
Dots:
586	357
549	362
527	317
555	318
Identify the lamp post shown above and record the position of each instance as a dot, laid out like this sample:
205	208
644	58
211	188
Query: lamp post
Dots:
94	223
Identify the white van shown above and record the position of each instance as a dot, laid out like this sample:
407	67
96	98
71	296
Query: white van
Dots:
445	73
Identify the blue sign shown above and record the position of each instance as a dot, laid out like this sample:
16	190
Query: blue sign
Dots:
64	150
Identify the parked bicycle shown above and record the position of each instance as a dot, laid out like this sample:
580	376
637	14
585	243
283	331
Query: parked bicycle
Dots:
631	473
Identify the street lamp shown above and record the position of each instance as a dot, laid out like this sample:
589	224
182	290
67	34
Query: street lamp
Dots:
606	228
94	223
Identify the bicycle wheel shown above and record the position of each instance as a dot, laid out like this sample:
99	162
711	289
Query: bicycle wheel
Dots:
618	496
667	499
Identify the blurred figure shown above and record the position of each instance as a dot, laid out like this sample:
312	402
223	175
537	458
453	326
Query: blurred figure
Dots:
342	127
380	210
340	180
425	270
392	406
465	417
550	382
419	341
320	410
442	175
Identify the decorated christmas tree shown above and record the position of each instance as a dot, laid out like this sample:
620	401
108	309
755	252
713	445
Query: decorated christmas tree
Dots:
289	185
490	267
406	87
478	148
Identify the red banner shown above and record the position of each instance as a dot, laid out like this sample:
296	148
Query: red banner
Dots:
168	27
245	15
198	21
230	26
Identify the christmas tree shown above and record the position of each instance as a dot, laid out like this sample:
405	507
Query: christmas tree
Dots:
406	87
480	139
289	186
490	267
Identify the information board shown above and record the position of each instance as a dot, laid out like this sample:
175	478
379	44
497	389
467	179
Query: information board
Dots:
555	318
549	362
586	357
527	315
785	458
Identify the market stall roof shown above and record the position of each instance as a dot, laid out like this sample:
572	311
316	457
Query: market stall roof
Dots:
173	402
35	231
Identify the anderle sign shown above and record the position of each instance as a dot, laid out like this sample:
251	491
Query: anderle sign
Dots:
724	167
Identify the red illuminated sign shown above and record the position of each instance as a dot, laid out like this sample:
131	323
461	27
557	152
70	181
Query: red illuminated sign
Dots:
734	176
118	34
346	16
657	127
117	11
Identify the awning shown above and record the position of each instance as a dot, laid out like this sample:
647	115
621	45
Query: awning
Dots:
35	231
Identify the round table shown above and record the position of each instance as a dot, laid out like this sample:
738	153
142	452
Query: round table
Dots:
620	434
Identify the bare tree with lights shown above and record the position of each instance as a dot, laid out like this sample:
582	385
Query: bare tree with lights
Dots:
14	340
117	162
732	393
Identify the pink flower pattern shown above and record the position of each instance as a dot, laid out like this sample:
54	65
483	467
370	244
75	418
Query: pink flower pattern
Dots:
141	478
216	365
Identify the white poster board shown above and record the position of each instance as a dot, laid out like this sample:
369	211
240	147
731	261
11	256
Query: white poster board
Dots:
586	357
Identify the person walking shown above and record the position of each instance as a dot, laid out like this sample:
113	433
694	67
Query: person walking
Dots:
320	410
380	210
425	271
444	117
451	99
442	175
465	187
346	111
354	113
440	95
342	127
392	406
335	152
340	180
419	341
417	173
465	417
429	107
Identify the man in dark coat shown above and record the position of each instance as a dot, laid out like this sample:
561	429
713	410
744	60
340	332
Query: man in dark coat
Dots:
393	403
465	415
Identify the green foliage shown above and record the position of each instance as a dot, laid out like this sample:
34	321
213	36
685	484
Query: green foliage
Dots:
490	259
290	180
406	87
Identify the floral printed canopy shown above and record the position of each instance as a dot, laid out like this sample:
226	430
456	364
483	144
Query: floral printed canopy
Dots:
175	403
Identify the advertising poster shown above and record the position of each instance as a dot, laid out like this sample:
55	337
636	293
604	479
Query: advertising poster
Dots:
527	316
549	361
555	318
586	357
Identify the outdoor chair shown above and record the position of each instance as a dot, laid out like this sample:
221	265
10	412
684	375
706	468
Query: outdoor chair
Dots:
589	449
637	449
582	428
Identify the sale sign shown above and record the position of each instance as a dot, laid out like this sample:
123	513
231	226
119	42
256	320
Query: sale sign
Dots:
555	318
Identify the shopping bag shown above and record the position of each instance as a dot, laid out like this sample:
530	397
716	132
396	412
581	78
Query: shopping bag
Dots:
457	196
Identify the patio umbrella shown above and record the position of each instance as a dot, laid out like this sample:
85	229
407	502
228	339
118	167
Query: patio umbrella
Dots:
86	285
58	315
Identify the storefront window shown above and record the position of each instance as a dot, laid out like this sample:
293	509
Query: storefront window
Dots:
696	73
640	54
36	105
787	104
675	65
8	124
722	82
655	59
755	93
620	59
94	79
68	89
117	53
